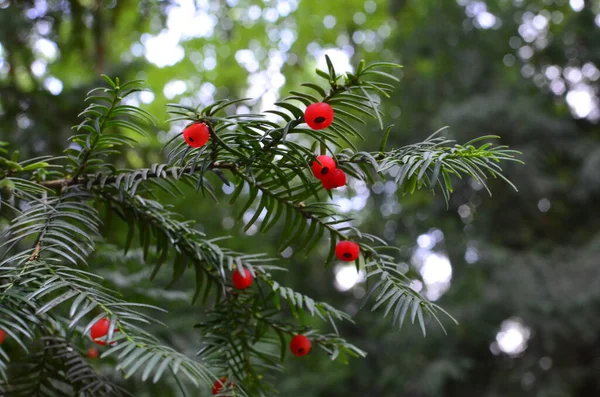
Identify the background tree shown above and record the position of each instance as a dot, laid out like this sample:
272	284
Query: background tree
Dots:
523	70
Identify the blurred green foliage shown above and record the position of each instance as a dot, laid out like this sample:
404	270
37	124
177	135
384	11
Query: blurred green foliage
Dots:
526	70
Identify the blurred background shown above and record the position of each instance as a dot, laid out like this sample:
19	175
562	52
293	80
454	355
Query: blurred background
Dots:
519	270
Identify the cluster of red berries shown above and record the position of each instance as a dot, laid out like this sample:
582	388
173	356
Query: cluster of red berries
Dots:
317	116
300	345
325	170
2	336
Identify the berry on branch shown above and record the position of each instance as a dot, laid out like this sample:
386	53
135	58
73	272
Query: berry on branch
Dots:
300	346
2	336
219	385
196	135
318	115
92	353
323	166
241	280
347	251
100	330
334	179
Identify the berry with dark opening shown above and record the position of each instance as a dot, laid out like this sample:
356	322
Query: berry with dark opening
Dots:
196	135
241	280
347	251
300	345
334	179
92	353
323	166
2	336
318	115
219	385
100	330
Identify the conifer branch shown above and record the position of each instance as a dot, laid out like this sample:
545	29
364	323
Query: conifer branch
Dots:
54	215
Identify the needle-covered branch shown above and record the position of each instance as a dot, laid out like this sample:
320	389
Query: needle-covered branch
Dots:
54	205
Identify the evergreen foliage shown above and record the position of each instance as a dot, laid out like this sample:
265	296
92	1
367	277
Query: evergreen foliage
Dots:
58	207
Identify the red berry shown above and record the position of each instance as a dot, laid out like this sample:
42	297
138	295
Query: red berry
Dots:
300	345
100	330
92	353
241	281
334	179
318	115
347	251
196	135
219	385
326	166
2	336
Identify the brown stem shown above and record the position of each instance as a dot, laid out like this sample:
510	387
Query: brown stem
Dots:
36	252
